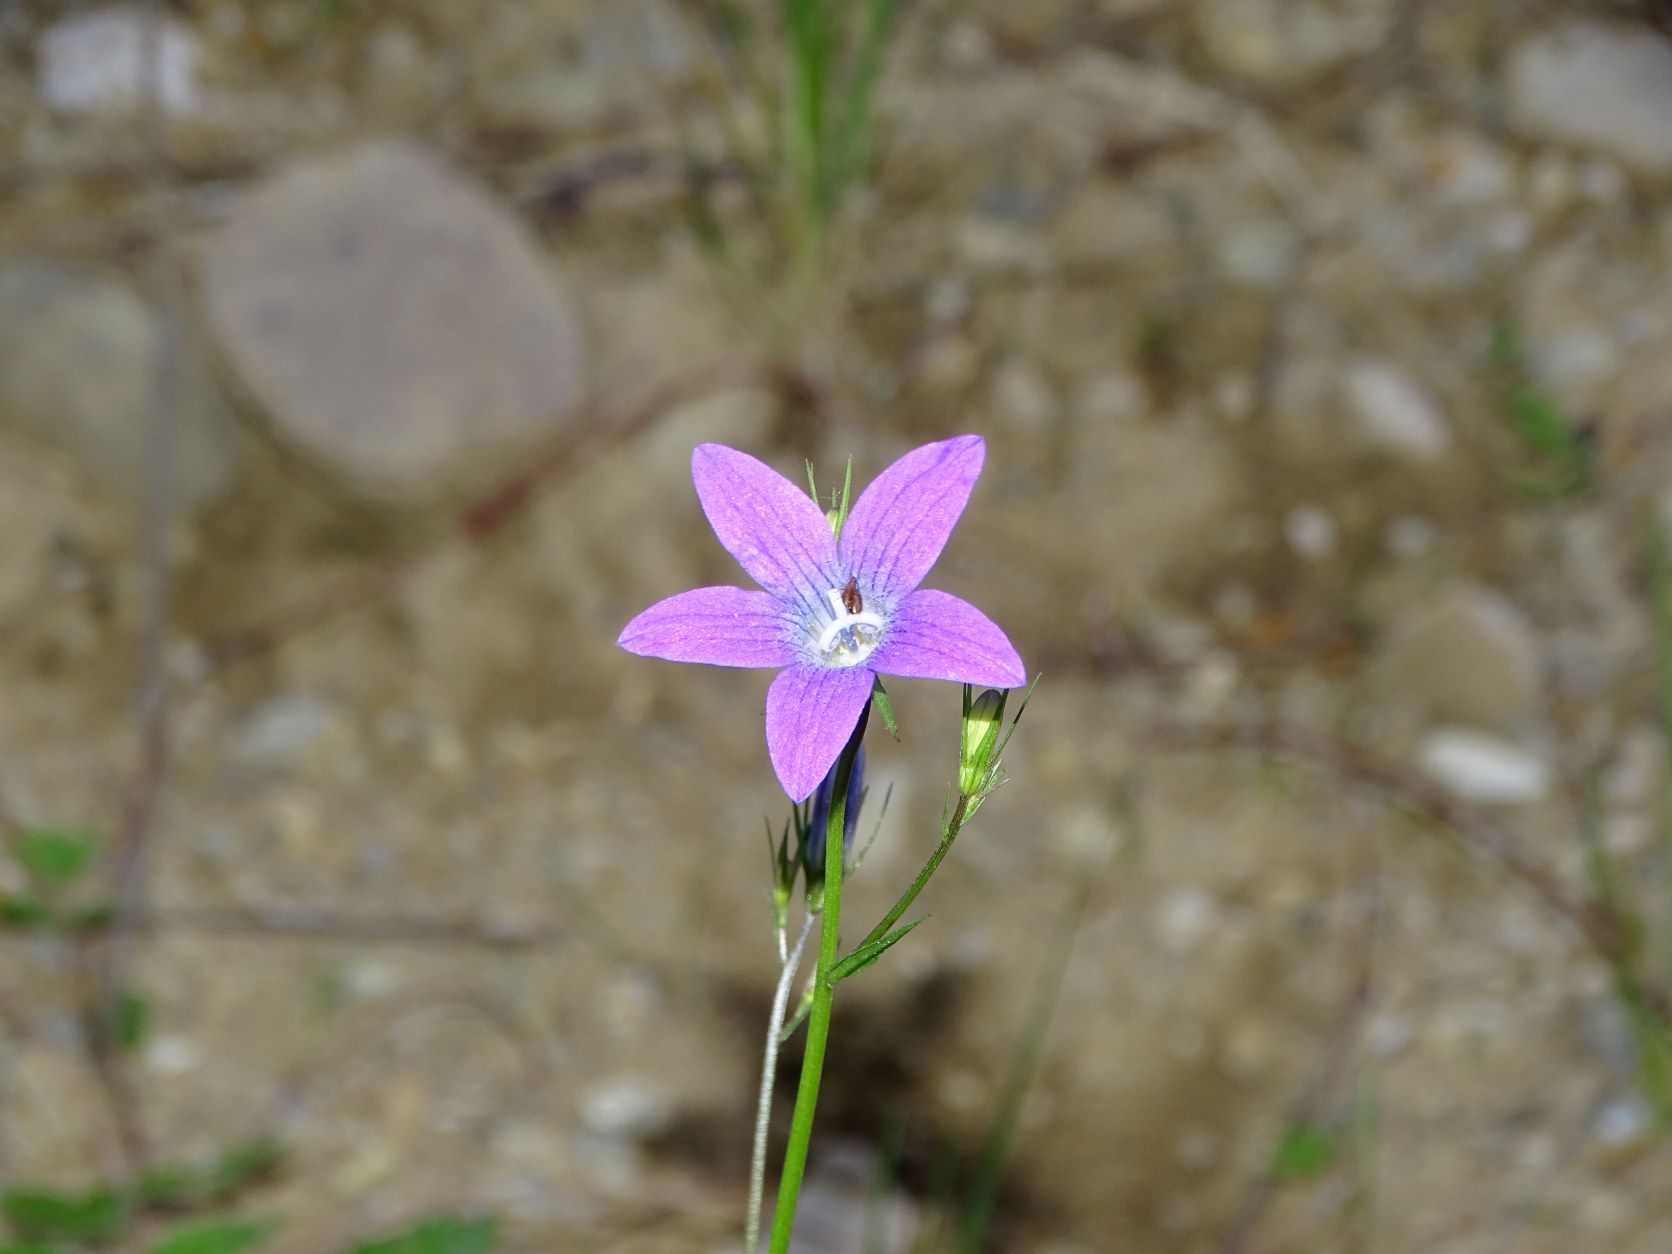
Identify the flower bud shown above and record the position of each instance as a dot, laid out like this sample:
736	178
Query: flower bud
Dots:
983	719
784	869
819	821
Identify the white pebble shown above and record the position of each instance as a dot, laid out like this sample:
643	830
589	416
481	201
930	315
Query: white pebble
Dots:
102	61
1310	531
624	1106
1187	915
1394	411
1409	536
1482	768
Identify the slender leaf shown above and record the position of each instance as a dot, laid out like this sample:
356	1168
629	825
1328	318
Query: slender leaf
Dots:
54	857
867	954
883	706
448	1235
243	1166
133	1020
215	1236
1305	1150
94	1218
1025	1059
187	1186
23	912
853	134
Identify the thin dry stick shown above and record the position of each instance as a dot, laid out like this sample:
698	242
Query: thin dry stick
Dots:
371	1044
1530	1200
14	1018
11	822
130	862
1313	1099
567	454
308	923
1486	836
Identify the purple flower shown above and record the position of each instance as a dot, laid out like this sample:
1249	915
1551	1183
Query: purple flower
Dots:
833	613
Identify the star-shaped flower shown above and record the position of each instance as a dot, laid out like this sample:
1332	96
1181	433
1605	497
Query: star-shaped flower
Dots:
834	612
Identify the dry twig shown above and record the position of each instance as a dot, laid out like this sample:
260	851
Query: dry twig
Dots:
1479	832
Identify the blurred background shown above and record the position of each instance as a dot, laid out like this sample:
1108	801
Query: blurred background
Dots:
351	356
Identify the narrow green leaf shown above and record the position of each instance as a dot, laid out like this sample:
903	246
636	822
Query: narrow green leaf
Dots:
167	1187
133	1020
187	1186
982	1196
23	912
797	1019
215	1236
1506	345
93	918
1304	1151
29	1248
883	706
865	955
1545	431
55	857
876	828
847	496
1004	742
854	129
701	216
244	1166
450	1235
40	1215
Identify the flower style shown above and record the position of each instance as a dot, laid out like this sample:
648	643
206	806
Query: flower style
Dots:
836	610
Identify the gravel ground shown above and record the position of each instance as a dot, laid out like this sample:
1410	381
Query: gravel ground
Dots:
1262	309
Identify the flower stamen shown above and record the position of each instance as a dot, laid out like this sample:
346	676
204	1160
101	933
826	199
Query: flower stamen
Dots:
849	638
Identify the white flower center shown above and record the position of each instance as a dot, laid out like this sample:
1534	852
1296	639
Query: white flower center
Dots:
848	638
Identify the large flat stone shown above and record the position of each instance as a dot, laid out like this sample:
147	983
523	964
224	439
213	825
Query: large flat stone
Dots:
397	324
79	356
1599	86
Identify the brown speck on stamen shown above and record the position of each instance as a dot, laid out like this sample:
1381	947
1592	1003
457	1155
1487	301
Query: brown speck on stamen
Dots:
851	600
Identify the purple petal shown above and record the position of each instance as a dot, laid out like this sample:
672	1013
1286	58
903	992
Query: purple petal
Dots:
810	713
774	529
935	635
899	525
720	626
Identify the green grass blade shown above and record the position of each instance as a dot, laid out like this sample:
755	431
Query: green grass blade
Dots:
1024	1066
807	25
852	138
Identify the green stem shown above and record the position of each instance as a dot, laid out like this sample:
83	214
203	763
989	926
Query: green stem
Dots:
818	1021
807	28
948	834
1024	1066
1649	1028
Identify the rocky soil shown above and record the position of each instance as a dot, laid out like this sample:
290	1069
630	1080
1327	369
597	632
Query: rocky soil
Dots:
1259	305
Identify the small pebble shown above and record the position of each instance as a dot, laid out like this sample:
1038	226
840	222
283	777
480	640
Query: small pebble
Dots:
1482	768
1310	532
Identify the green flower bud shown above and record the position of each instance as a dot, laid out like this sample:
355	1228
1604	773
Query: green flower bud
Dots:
983	719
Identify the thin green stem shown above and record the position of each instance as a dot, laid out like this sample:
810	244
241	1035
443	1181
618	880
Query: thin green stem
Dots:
818	1020
1650	1031
949	833
1661	603
809	56
1024	1065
